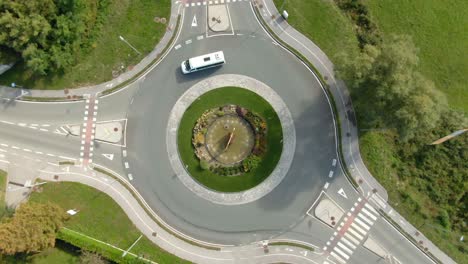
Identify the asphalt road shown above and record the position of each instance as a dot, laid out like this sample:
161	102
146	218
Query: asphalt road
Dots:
28	129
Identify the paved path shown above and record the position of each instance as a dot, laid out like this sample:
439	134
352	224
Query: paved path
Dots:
349	130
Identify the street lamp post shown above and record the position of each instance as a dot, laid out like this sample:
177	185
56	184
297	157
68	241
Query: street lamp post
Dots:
130	45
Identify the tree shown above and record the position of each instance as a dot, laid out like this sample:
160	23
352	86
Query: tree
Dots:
49	33
393	93
32	228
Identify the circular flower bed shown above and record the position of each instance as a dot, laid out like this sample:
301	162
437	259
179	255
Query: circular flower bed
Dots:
229	140
251	115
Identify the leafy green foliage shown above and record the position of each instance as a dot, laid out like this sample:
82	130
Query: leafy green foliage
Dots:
32	228
366	30
49	33
397	96
251	162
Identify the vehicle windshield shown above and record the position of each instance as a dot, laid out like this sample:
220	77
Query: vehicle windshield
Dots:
187	65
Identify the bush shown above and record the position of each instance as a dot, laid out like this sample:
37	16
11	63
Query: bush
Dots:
444	218
204	165
251	162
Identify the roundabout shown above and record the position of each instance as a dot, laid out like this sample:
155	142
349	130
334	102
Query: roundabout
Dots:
279	202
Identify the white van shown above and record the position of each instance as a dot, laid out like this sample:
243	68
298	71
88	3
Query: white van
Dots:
203	62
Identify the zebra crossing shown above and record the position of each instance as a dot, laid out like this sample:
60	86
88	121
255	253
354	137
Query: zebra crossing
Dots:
192	3
352	231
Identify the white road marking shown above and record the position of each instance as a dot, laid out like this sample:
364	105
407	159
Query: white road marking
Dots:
356	234
371	208
369	214
362	223
194	21
350	237
342	193
337	257
358	228
348	243
109	156
345	248
365	219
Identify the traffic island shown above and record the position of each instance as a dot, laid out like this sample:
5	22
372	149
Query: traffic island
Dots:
328	211
228	149
218	18
105	131
235	96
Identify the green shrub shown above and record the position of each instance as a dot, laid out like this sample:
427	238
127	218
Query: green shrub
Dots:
251	162
204	165
444	218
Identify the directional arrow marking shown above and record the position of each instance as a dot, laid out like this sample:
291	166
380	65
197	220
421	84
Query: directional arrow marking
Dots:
109	156
194	21
342	193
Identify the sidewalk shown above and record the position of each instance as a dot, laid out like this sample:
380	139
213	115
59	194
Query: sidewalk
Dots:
8	92
368	186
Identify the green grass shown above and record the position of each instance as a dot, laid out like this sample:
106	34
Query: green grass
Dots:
131	19
322	22
61	253
3	183
380	155
220	97
101	218
439	29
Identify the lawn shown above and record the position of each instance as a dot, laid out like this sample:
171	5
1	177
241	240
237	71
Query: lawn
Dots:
101	218
221	97
322	22
439	29
132	19
3	183
405	195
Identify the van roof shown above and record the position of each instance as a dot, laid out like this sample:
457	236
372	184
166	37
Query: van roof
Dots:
207	58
